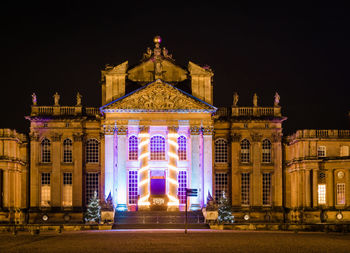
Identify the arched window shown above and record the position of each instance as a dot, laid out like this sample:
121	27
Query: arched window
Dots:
92	151
133	148
45	151
182	142
157	147
245	151
221	151
266	151
67	151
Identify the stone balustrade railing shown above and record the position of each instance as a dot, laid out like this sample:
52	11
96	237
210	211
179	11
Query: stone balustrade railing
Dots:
256	111
64	110
328	133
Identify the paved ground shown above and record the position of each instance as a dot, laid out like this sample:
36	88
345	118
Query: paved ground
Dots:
175	241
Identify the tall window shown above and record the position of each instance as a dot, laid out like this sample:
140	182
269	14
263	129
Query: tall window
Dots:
45	151
266	151
45	189
157	147
92	151
341	193
181	141
245	188
321	151
221	185
67	189
133	187
321	194
91	186
133	148
67	151
181	190
221	151
245	151
266	188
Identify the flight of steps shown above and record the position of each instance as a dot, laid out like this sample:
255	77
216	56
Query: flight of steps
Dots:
159	220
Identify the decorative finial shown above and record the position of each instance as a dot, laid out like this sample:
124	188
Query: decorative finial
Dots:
34	99
157	39
56	98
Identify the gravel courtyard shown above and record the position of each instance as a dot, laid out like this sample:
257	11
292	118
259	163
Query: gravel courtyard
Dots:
175	241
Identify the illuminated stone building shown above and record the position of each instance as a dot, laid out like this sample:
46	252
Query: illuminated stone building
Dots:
158	133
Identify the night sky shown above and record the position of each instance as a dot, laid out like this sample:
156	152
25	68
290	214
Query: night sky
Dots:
302	52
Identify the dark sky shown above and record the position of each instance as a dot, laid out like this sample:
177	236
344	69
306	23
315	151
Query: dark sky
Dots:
302	52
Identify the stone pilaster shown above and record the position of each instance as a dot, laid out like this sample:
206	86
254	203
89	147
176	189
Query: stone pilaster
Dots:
144	175
56	170
109	166
207	162
172	168
78	169
120	176
195	166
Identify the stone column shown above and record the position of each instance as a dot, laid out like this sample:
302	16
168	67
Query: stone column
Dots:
172	168
256	178
277	162
143	173
207	163
34	174
120	176
307	201
109	166
195	167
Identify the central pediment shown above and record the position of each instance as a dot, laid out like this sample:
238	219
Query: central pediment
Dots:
158	96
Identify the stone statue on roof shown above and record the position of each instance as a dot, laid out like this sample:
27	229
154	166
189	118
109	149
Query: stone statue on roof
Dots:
79	96
235	99
34	99
255	100
277	99
56	98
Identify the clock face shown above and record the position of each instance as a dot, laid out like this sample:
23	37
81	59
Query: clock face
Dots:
45	217
339	216
340	174
246	217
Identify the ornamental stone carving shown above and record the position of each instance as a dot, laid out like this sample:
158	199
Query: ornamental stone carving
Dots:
78	136
276	137
34	136
235	137
122	130
159	96
208	130
56	137
256	137
195	130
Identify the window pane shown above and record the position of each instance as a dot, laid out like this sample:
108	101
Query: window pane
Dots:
181	190
133	187
181	141
321	194
92	151
341	193
45	190
157	148
133	148
245	188
266	188
91	186
67	151
245	151
221	185
266	151
221	151
46	151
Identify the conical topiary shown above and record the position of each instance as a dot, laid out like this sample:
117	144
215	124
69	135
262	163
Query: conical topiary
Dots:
93	209
225	210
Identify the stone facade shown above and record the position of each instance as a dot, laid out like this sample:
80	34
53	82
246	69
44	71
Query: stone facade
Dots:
150	140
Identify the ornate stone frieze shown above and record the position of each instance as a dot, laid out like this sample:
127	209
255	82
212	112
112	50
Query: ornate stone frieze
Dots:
172	129
235	137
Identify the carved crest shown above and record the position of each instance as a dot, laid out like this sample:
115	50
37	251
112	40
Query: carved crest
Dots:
160	96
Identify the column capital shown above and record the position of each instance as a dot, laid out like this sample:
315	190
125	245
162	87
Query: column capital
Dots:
256	137
143	129
195	130
78	136
276	137
122	130
56	137
209	130
236	137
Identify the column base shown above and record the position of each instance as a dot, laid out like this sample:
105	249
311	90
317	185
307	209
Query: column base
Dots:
195	207
122	207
